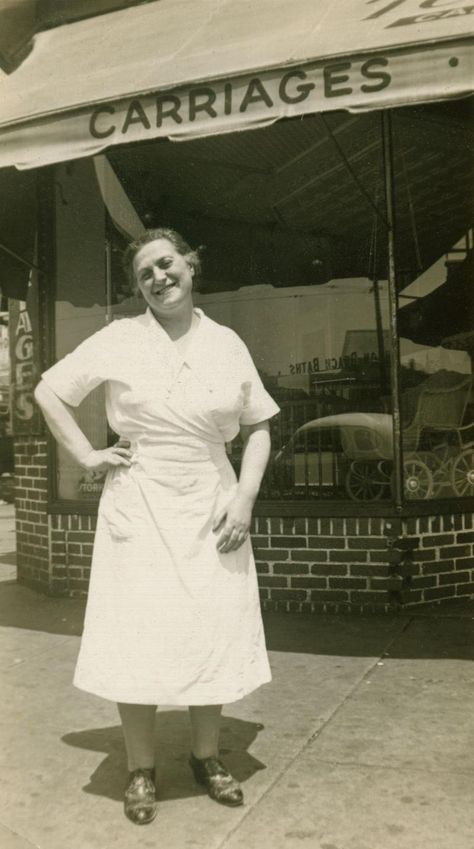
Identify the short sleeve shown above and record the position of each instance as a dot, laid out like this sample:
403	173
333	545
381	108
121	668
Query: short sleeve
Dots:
258	404
79	372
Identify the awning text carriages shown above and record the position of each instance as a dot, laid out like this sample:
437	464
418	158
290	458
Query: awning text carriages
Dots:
179	69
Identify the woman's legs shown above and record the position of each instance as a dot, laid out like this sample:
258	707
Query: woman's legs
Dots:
205	728
138	724
204	761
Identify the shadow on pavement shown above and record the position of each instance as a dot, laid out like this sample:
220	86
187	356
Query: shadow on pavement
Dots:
21	607
441	632
172	746
430	636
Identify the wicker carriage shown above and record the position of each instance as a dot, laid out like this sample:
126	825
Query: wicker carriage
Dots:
438	448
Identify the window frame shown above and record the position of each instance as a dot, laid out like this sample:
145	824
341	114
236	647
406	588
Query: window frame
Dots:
286	507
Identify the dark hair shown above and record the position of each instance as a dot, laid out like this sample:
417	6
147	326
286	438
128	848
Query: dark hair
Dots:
171	236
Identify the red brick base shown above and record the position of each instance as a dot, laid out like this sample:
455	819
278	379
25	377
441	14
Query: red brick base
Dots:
304	564
363	564
32	525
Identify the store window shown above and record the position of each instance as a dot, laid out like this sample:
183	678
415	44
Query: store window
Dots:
80	307
434	212
293	221
437	346
91	290
323	353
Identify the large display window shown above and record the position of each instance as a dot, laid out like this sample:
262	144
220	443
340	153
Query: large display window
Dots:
436	325
323	353
292	219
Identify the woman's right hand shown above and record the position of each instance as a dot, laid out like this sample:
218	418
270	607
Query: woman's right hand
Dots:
103	459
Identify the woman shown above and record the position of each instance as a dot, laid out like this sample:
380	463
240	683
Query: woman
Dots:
173	614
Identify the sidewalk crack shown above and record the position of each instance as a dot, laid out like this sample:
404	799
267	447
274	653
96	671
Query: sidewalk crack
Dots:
395	768
34	656
20	836
320	729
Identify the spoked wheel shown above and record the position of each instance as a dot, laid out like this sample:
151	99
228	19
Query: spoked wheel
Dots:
462	474
440	471
363	482
417	479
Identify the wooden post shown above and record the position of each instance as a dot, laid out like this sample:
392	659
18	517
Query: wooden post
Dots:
393	307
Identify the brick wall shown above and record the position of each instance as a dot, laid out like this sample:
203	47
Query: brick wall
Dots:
72	538
441	549
363	564
304	564
32	526
53	551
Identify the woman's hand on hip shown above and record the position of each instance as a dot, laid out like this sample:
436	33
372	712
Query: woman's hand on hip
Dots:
233	523
103	459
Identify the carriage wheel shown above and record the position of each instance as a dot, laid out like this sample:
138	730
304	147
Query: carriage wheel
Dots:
417	479
462	475
363	482
439	469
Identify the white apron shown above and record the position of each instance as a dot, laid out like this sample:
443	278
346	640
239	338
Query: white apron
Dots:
169	619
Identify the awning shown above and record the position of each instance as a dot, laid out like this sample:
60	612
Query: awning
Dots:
177	69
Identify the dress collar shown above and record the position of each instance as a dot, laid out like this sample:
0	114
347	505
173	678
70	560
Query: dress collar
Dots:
156	328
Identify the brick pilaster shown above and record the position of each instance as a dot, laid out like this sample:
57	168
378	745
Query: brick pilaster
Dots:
32	521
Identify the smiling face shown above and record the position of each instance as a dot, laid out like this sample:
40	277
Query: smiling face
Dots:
164	277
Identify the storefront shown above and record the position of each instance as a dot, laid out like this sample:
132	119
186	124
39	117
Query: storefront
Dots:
326	168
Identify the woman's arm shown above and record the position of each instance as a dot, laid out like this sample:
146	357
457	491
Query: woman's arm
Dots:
255	454
234	520
61	420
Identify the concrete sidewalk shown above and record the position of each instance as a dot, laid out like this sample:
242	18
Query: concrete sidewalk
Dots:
364	739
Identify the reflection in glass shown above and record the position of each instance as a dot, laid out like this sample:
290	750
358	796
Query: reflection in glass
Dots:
437	345
292	217
323	353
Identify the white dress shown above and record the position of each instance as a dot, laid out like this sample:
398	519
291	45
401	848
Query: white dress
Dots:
169	618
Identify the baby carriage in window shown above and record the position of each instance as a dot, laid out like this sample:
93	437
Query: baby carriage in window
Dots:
438	449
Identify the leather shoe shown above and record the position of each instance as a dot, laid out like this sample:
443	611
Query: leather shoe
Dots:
140	804
217	780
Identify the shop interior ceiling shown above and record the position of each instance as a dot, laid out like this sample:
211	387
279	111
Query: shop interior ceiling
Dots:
302	202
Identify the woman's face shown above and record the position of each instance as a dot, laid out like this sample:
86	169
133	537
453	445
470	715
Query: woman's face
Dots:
163	276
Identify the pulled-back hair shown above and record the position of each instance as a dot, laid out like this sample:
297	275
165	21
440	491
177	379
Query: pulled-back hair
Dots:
172	236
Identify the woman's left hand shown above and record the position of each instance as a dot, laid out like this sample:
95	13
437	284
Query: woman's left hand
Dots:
233	521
